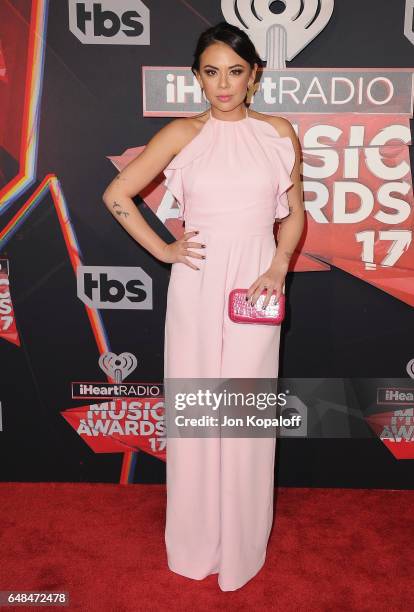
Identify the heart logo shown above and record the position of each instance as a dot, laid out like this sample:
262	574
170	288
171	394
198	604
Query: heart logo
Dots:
278	36
118	367
410	368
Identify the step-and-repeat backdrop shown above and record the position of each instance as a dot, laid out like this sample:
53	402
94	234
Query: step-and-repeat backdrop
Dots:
83	86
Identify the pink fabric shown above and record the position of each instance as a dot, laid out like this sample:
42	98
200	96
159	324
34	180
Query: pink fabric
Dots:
230	182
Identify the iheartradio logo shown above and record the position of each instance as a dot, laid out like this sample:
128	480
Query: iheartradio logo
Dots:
410	368
409	20
118	367
279	36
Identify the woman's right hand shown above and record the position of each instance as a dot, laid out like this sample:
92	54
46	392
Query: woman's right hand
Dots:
178	250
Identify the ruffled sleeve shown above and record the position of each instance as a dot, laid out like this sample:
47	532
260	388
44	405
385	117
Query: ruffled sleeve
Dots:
281	154
174	181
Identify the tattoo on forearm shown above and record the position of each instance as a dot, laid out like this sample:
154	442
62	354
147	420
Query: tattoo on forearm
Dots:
120	178
119	212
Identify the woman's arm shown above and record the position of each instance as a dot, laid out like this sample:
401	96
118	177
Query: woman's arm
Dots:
291	227
159	151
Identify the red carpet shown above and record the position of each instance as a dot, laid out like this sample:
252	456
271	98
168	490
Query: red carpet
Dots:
330	549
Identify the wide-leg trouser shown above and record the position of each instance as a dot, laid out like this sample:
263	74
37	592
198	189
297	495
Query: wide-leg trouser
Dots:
219	490
220	507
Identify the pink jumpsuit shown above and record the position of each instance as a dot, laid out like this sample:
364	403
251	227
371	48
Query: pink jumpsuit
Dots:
230	183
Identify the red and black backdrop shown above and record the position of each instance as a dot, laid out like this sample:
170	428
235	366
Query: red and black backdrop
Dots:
83	87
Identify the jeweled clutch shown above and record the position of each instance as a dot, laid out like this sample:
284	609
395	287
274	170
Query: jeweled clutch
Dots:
241	311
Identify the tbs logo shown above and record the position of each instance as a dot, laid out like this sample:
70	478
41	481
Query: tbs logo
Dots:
113	287
109	22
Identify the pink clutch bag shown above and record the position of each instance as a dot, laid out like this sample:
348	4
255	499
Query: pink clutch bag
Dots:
240	311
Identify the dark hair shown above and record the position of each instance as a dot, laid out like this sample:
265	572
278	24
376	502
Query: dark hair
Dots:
237	39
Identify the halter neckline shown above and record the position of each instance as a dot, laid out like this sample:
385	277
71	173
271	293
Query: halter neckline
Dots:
234	121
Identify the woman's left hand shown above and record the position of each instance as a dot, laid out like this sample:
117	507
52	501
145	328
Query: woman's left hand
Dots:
273	280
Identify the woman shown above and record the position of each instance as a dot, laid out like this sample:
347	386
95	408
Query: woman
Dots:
232	172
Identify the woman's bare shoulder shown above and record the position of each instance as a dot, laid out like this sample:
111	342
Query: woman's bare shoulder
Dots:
184	129
282	125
